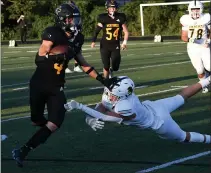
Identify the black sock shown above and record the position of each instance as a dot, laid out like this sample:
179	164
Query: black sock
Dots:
39	137
76	64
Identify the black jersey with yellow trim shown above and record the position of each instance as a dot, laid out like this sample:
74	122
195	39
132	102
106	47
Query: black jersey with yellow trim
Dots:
112	27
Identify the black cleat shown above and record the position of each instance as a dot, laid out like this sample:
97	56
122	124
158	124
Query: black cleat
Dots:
18	156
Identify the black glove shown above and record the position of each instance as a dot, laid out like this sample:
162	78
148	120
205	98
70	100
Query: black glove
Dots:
106	82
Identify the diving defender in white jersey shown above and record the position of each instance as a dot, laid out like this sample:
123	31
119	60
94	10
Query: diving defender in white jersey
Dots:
196	32
120	104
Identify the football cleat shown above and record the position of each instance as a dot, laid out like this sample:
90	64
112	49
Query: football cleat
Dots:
206	90
78	69
18	156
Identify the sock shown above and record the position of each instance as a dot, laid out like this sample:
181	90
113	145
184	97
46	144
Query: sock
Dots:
76	64
39	137
197	137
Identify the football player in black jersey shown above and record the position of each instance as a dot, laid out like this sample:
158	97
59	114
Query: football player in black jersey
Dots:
112	23
60	43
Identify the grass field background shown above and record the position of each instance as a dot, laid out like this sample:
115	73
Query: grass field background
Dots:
162	68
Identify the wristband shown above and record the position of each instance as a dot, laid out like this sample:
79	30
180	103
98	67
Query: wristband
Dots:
124	42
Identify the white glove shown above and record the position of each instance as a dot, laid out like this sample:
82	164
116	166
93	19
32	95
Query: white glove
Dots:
72	105
94	123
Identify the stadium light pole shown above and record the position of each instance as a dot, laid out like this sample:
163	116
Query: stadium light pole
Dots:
158	4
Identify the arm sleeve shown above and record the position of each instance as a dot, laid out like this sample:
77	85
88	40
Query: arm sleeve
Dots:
78	47
99	115
96	32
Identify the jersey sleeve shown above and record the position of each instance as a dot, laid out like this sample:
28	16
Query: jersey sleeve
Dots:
79	44
49	34
183	21
100	19
207	19
124	108
123	18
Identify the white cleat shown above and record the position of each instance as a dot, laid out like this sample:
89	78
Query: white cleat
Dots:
67	70
205	90
78	69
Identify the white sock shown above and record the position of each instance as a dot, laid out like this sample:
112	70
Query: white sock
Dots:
197	137
204	82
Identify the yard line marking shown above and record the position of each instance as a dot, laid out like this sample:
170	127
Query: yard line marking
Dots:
18	67
134	68
15	84
32	51
22	88
158	92
142	86
93	88
12	52
24	57
92	104
180	86
175	162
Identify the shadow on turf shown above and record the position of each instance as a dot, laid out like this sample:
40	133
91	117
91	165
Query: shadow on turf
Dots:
109	161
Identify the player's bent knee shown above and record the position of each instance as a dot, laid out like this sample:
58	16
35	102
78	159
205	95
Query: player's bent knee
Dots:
115	68
52	126
106	68
38	121
200	71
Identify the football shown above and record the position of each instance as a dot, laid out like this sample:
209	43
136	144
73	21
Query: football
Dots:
59	49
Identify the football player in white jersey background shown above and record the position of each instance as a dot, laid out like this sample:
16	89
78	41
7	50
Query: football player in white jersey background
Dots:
119	104
196	32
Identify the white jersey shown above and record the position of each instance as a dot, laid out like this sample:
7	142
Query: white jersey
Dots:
145	115
198	28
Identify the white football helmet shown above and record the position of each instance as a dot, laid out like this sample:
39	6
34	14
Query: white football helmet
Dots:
121	89
194	5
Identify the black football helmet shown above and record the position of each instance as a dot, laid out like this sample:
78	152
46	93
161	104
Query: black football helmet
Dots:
111	3
68	17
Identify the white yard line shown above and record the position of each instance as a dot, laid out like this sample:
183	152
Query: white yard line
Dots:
22	88
175	162
92	104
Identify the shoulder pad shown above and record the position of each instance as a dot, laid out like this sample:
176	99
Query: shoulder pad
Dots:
184	20
122	16
207	19
50	33
101	17
124	108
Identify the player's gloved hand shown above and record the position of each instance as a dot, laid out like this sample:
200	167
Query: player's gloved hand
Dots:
72	105
107	82
94	123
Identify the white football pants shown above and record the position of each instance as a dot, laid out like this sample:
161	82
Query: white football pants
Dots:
199	56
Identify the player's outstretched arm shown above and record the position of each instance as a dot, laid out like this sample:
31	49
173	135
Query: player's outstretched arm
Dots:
75	105
195	88
88	69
